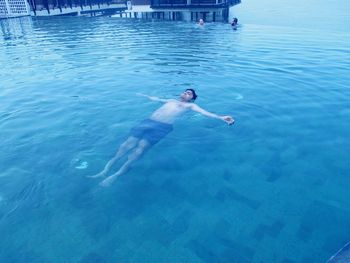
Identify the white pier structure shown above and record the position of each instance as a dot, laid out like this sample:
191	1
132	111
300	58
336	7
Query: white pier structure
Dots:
14	8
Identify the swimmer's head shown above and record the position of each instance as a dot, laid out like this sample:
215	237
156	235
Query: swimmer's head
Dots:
189	95
201	21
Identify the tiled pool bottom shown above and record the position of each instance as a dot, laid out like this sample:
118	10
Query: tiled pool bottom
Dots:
272	188
163	211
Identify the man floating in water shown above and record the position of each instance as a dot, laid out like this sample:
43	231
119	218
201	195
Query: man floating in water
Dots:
150	131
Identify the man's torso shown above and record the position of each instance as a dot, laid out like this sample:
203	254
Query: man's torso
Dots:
170	111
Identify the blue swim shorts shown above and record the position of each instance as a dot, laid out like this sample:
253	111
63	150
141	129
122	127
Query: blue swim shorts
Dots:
150	130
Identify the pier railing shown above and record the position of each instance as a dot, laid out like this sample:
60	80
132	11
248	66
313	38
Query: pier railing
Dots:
13	8
192	3
49	5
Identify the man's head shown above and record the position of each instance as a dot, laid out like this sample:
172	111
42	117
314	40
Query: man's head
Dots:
189	95
201	21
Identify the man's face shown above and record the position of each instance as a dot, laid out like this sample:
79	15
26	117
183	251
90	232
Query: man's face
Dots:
187	95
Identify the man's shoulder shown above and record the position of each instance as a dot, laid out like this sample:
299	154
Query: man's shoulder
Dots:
167	101
192	105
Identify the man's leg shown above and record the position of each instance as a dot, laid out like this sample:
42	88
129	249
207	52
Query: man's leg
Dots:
141	148
126	146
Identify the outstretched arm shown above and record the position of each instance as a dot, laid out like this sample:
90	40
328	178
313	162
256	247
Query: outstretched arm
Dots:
152	97
228	119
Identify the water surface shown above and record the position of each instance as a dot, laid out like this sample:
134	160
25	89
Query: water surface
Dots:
272	188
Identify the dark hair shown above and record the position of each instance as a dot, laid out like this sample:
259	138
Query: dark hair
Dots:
194	95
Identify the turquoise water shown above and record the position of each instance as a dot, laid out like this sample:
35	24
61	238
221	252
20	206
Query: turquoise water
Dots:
272	188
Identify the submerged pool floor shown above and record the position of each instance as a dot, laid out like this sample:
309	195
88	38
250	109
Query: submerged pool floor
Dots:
271	188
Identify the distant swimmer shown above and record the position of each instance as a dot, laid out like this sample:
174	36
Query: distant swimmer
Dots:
201	22
150	131
234	23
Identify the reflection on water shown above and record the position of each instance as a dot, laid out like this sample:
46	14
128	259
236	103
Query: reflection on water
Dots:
16	27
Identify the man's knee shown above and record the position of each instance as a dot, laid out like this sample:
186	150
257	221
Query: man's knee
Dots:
136	153
129	143
144	144
139	151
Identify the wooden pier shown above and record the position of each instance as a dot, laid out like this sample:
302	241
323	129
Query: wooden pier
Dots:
76	7
185	10
14	8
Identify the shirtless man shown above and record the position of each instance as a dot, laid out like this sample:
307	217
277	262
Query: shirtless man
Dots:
151	130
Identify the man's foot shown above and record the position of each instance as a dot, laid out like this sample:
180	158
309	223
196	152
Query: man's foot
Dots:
101	174
108	181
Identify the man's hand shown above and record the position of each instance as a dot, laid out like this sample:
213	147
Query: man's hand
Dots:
228	119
